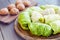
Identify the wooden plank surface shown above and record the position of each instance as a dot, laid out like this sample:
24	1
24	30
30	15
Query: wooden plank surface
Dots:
7	19
1	38
1	35
9	32
3	3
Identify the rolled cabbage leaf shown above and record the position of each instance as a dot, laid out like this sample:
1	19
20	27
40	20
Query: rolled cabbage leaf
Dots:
55	25
36	17
40	29
48	11
51	18
47	31
24	20
50	6
29	10
34	8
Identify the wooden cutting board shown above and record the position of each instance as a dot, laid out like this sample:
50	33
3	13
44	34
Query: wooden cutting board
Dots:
8	19
28	36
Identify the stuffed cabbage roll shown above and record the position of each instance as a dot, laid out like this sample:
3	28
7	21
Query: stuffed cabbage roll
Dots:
34	8
55	25
49	6
29	10
24	20
51	17
40	29
48	11
36	17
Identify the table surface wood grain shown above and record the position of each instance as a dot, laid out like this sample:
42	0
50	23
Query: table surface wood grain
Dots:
7	31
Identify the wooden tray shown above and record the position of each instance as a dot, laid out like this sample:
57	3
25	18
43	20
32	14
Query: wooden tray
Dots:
28	36
8	19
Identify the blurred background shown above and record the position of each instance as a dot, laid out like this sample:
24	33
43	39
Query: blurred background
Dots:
4	3
43	2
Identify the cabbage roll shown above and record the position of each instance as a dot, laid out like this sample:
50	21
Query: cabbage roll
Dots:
49	6
24	20
48	11
29	10
40	29
51	17
55	25
34	8
36	17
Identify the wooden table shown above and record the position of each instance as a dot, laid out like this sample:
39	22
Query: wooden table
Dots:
7	31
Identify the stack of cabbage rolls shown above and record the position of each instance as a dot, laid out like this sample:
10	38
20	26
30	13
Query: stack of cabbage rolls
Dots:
41	20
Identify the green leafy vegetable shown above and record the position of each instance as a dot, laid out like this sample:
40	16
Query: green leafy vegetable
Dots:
34	8
55	25
51	18
43	20
36	17
43	7
40	29
50	6
48	11
24	20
